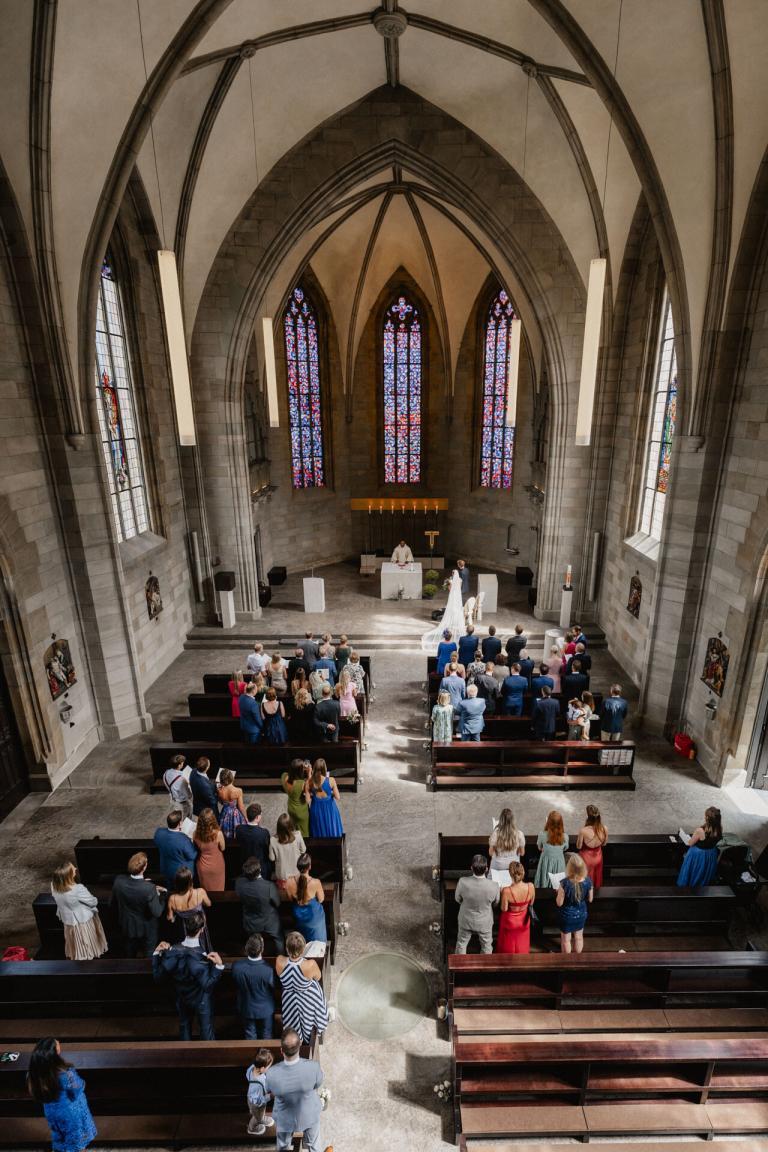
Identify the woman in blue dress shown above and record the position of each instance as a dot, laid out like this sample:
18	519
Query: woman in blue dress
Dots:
573	895
306	895
700	862
273	730
323	798
57	1086
445	651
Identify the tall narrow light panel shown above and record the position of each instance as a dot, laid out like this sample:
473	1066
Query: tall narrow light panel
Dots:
269	364
590	351
513	369
177	347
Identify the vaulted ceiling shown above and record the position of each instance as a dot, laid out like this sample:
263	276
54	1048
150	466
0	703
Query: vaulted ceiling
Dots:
234	84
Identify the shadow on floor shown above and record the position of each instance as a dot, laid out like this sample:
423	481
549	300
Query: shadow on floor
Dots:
421	1074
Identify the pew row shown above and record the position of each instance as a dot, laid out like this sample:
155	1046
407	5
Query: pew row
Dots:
258	766
218	682
227	730
224	918
561	764
100	860
215	704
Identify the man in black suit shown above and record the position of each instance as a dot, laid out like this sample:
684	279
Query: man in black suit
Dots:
260	901
491	646
515	645
195	973
254	980
575	682
545	715
526	665
253	840
583	658
488	688
203	788
327	716
310	647
139	904
298	660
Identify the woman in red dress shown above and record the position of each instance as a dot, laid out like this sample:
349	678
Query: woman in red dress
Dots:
515	921
590	842
236	688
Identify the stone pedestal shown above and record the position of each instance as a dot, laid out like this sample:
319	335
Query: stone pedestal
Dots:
488	584
227	607
566	603
314	594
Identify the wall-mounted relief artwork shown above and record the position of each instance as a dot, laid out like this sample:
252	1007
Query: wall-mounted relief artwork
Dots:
59	668
635	596
154	599
716	665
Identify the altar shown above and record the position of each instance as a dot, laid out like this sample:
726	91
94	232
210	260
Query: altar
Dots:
393	578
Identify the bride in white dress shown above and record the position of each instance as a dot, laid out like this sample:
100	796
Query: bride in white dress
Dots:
453	617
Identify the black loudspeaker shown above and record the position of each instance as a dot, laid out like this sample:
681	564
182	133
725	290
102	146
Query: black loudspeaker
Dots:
224	581
524	576
277	576
531	598
437	614
265	595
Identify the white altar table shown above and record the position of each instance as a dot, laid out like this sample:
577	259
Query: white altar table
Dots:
393	577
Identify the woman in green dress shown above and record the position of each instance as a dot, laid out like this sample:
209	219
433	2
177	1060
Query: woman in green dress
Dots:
552	843
294	783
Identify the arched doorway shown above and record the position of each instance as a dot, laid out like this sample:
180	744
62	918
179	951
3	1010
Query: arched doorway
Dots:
14	770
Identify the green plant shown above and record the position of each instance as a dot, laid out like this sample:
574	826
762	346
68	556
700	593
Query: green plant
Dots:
429	590
431	575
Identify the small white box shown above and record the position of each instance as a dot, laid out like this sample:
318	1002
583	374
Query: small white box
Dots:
314	594
489	584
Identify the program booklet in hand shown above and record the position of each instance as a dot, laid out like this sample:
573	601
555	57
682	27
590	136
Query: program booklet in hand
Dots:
189	827
555	878
684	837
315	950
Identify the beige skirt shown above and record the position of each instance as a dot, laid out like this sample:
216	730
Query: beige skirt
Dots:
85	941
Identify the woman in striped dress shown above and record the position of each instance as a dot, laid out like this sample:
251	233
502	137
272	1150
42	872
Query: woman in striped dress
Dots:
302	1000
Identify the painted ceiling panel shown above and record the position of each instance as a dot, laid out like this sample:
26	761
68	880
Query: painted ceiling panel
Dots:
245	20
488	95
333	75
512	22
15	53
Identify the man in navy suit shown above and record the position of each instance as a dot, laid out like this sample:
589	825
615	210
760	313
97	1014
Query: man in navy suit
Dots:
253	840
526	665
195	973
575	682
203	788
250	715
545	715
491	646
583	658
175	847
255	981
512	689
541	681
468	647
463	572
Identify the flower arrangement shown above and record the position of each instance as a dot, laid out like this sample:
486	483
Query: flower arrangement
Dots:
429	590
325	1095
431	575
443	1089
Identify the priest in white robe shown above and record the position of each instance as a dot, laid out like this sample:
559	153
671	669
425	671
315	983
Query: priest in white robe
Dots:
402	554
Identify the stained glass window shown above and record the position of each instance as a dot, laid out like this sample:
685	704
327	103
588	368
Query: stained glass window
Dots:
402	393
497	441
304	406
117	412
661	428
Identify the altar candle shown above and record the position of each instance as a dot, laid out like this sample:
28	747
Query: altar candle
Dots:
425	507
568	576
402	509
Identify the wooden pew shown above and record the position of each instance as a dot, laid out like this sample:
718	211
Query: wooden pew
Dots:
218	682
227	730
224	922
258	766
171	1093
100	860
215	704
633	859
561	764
105	999
625	912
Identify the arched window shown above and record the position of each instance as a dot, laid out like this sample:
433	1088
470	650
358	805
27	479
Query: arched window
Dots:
661	428
402	393
117	412
304	403
497	441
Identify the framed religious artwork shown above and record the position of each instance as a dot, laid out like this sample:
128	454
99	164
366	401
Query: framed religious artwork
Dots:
154	599
59	669
716	665
635	596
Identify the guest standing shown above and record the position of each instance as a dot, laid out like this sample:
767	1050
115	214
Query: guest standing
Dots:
195	974
477	896
545	715
552	843
328	717
700	863
174	847
77	908
253	840
590	842
463	571
515	645
57	1086
343	652
542	680
506	844
346	694
445	651
297	1108
236	687
453	684
203	788
470	713
442	719
301	722
273	729
323	798
186	901
612	715
277	674
302	1001
285	848
210	844
554	667
293	782
257	661
357	672
573	895
513	689
515	919
298	663
526	665
468	645
488	688
176	781
139	904
491	646
260	901
316	683
250	714
258	1093
307	894
254	982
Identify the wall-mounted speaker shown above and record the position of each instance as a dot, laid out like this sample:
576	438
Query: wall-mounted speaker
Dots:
277	575
224	581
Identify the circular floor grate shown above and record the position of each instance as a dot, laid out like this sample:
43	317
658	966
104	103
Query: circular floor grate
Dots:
382	995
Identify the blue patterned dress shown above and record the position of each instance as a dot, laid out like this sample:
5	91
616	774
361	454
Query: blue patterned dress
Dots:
69	1117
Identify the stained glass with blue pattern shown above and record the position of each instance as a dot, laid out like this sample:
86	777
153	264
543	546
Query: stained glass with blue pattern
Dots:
662	428
497	441
402	393
304	398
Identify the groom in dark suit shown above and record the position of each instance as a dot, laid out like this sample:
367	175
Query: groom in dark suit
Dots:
463	571
195	973
139	903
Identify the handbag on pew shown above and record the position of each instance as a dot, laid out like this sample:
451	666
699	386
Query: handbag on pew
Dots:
14	953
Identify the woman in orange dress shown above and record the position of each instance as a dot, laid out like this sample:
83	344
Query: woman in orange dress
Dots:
590	842
210	844
514	937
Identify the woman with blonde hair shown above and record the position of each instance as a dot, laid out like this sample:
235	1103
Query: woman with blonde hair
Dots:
573	895
277	672
302	1000
210	843
346	692
442	719
316	684
285	848
77	908
301	721
590	842
554	665
506	843
552	843
514	937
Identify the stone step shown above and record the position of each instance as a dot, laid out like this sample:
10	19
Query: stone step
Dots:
237	639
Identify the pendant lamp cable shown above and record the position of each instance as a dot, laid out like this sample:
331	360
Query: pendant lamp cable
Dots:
610	122
151	126
525	126
253	119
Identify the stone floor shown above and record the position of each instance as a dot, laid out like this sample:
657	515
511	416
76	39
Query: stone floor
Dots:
383	1095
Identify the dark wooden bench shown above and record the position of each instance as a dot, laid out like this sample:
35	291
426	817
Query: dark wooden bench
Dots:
625	912
105	999
632	859
622	1085
170	1093
258	766
224	922
227	730
561	764
215	704
100	860
218	682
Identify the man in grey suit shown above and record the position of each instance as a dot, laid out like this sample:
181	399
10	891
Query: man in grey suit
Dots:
476	895
297	1107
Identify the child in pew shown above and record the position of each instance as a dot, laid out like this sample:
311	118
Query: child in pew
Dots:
258	1096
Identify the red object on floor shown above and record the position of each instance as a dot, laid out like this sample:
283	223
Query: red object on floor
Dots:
684	745
14	953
